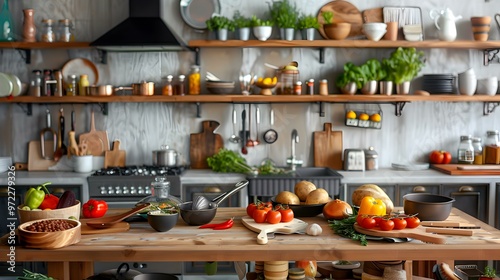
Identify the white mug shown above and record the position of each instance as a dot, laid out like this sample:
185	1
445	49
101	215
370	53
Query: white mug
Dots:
82	164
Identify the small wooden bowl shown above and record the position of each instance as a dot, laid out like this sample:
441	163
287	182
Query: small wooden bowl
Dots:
63	213
337	31
50	240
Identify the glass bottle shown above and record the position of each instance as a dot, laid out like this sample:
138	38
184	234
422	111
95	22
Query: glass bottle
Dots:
36	83
323	87
492	147
59	83
47	82
478	150
465	150
6	28
48	34
180	88
310	87
160	195
29	28
168	88
83	85
65	29
72	86
194	80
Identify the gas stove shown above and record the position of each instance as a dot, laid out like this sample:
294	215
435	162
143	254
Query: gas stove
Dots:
122	187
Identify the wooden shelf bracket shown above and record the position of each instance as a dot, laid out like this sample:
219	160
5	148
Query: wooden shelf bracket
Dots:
489	107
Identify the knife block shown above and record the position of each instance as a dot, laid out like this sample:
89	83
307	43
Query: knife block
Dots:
491	155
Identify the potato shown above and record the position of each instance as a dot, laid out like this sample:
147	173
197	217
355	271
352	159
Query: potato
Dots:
373	191
317	196
286	197
303	188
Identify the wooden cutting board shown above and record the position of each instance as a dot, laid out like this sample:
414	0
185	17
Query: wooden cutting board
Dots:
264	228
343	11
418	233
328	147
465	169
115	157
118	227
373	15
204	144
97	141
35	160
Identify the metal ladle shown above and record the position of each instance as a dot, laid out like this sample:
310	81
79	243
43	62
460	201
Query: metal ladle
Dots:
234	138
250	142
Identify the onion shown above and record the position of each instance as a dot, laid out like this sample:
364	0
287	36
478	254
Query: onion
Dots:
337	210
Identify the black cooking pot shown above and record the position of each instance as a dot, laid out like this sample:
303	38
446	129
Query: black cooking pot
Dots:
155	276
123	272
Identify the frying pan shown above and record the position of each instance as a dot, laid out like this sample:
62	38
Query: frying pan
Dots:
195	13
203	216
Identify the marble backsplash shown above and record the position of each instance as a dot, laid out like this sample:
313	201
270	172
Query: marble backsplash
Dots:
143	127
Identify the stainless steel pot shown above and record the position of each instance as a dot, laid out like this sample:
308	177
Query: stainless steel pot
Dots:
165	157
143	88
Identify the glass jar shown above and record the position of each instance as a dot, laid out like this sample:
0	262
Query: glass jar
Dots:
297	89
310	87
194	80
371	159
47	34
492	148
83	85
36	83
160	195
180	87
72	86
465	150
65	31
168	88
287	79
323	87
477	144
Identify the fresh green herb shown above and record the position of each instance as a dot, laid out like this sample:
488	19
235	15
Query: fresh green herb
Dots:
373	70
268	168
228	161
307	21
342	262
241	21
28	275
219	22
345	228
405	63
352	73
327	16
489	272
261	22
284	14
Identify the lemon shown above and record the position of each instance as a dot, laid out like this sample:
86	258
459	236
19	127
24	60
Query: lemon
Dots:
275	80
259	80
375	117
267	81
364	117
350	115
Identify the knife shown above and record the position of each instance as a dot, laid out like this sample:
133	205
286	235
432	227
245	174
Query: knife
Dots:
72	120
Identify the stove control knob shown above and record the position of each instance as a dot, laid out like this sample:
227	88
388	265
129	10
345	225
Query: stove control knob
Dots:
111	191
140	191
118	191
103	190
125	191
133	191
147	192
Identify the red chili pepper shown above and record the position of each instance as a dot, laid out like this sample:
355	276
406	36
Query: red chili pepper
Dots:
49	202
94	208
227	224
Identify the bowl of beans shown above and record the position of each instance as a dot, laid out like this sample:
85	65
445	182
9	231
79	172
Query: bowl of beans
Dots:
50	233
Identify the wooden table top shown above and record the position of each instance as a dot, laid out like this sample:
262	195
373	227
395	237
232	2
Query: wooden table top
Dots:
189	243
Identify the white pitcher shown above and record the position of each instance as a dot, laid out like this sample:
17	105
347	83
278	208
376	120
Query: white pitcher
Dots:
445	23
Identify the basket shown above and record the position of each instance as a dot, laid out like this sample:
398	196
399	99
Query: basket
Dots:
63	213
366	116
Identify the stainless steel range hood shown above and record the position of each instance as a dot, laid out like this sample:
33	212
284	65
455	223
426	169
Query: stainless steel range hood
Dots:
144	30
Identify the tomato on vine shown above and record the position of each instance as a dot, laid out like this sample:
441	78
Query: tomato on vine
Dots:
412	222
259	215
399	223
368	222
386	224
286	213
250	208
273	216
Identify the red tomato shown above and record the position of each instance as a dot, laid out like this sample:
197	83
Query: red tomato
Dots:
412	222
399	223
360	218
259	215
440	157
250	208
368	223
273	217
377	220
286	215
386	224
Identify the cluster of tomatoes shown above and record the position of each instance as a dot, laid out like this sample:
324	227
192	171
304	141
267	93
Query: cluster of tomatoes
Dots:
264	212
387	222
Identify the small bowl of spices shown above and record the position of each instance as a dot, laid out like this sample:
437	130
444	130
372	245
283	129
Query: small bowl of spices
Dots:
50	233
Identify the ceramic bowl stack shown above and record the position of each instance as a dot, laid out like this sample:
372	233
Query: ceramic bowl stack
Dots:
220	87
413	32
5	163
487	86
438	83
467	82
480	27
374	30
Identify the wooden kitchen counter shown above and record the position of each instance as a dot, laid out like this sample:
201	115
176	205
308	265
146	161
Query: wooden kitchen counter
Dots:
188	243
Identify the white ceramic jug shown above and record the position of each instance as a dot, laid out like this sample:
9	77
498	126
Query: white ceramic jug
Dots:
445	23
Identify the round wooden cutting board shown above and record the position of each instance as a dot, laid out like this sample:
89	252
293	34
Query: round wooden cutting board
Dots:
343	11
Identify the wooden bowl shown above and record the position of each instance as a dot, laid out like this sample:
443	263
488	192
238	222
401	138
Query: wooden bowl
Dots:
64	213
337	31
50	240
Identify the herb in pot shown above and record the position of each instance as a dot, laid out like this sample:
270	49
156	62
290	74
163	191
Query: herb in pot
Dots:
405	64
352	73
307	21
241	21
284	14
261	22
219	22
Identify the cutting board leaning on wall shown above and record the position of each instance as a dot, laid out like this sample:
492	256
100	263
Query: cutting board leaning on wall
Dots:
204	144
328	148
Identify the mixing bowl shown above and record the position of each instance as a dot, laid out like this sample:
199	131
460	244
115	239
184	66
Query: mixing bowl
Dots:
428	207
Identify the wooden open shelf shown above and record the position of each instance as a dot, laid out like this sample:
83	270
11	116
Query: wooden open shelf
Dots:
44	45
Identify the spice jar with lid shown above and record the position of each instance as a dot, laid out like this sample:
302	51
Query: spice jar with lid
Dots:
36	83
323	87
65	31
160	197
194	80
48	34
371	159
168	87
492	147
465	150
478	150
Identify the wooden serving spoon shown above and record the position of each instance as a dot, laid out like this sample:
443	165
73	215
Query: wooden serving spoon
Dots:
109	221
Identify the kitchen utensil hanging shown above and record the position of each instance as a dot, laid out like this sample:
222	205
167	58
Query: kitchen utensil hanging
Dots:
270	136
244	132
235	138
61	147
48	129
250	142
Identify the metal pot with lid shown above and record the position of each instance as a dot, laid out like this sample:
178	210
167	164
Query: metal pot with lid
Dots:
165	157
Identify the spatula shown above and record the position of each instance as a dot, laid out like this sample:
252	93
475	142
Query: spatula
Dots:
109	221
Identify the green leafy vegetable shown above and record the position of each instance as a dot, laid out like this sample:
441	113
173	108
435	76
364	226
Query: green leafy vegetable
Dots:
345	228
28	275
228	161
268	168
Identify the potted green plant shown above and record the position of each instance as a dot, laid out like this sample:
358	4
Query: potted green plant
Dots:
489	273
386	83
220	25
373	73
262	28
243	24
285	15
351	79
404	65
307	24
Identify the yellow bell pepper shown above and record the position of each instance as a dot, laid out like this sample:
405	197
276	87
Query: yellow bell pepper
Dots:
371	206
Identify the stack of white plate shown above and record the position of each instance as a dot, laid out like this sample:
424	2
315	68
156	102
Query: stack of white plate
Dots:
220	87
413	32
5	163
10	85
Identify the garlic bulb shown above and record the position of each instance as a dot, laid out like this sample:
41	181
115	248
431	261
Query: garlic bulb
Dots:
314	229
